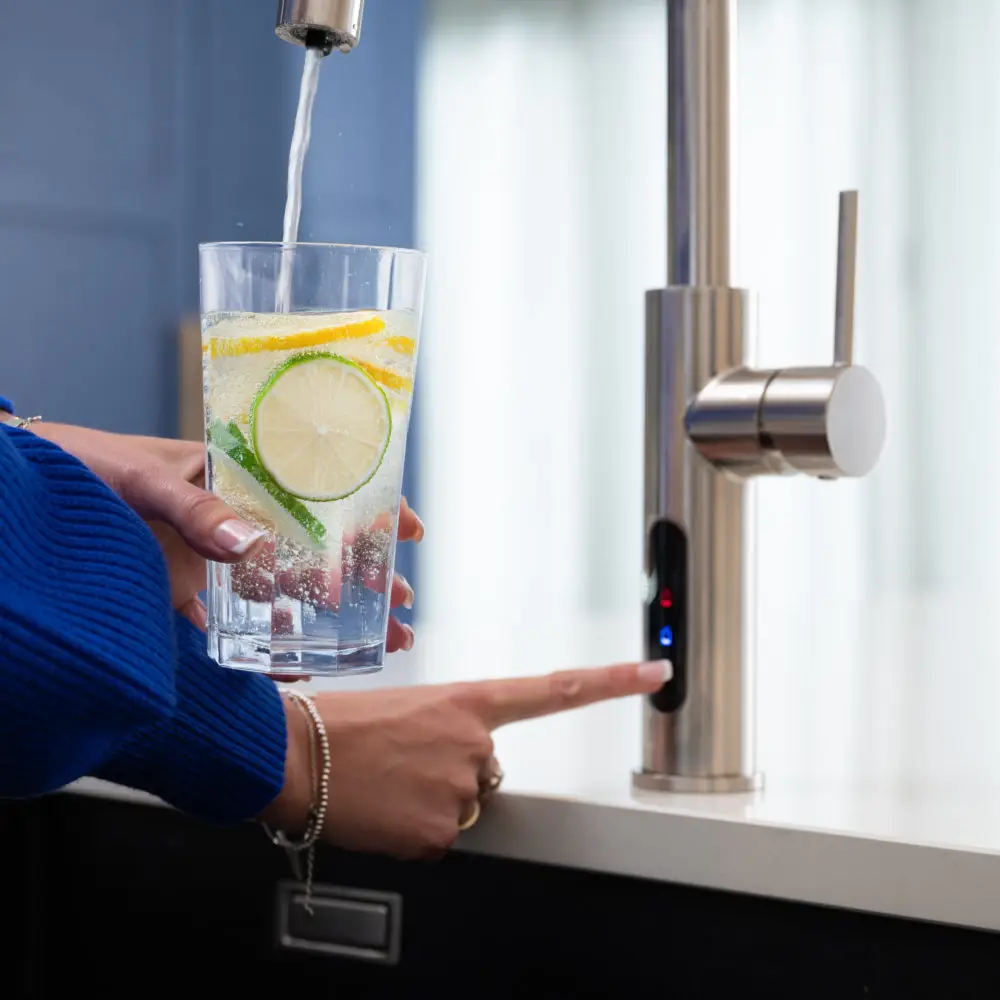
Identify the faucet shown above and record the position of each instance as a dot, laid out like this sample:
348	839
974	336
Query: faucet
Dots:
321	24
714	423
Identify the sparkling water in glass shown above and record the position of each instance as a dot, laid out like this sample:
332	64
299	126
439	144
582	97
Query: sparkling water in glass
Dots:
309	355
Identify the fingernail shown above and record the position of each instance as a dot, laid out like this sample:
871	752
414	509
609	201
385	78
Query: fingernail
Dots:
236	536
656	671
418	535
408	595
409	635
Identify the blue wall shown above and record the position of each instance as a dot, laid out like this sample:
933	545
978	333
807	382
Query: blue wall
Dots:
118	151
142	127
359	181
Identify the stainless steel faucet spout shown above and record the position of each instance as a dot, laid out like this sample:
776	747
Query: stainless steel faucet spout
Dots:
322	24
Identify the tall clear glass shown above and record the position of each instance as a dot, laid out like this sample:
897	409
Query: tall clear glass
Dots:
309	355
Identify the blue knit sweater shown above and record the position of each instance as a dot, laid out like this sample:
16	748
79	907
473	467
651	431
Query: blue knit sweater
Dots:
98	676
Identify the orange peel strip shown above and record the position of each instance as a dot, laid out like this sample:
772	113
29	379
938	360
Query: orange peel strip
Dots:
403	345
387	377
231	347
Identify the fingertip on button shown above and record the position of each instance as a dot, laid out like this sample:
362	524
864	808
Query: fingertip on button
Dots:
657	671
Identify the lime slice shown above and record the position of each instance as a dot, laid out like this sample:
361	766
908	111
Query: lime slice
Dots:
229	440
320	426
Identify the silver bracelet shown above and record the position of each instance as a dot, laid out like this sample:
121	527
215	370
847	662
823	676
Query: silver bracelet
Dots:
321	793
19	422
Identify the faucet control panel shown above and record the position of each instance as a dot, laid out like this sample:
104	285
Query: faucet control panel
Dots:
666	611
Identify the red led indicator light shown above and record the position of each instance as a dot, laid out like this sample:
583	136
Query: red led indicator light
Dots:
666	598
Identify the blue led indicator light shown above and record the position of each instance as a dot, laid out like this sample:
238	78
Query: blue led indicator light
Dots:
666	636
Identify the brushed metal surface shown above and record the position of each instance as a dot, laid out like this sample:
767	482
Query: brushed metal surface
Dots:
824	421
682	784
693	334
828	422
723	423
338	20
701	82
847	263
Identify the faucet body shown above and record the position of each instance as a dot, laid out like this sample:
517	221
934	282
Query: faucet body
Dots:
714	423
698	729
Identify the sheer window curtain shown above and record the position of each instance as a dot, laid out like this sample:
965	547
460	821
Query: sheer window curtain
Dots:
542	204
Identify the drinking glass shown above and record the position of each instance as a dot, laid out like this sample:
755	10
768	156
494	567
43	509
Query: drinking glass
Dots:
309	355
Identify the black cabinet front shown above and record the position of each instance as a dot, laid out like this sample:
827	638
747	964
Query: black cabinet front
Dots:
130	901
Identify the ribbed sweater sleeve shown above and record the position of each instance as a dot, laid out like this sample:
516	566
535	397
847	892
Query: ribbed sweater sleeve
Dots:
221	754
97	675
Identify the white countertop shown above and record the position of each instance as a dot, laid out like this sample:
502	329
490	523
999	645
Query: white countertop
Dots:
883	769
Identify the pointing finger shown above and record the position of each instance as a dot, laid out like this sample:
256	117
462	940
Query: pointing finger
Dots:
501	702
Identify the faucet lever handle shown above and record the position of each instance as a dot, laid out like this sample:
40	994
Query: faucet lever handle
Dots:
847	259
826	421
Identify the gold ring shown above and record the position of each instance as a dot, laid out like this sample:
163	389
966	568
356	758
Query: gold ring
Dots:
469	823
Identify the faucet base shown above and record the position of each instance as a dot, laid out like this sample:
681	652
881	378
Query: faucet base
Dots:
685	784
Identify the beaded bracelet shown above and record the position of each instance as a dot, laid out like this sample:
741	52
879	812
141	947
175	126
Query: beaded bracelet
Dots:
317	811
